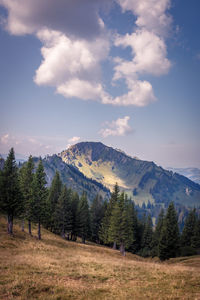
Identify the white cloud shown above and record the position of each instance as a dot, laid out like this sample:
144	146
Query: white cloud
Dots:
148	51
151	14
75	42
119	127
65	59
74	139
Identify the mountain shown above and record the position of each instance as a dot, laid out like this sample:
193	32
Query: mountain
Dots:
72	177
191	173
144	181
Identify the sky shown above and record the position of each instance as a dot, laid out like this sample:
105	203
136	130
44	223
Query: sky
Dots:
122	72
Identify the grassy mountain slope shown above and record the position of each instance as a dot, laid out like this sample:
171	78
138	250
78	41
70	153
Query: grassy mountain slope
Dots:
56	269
72	177
142	180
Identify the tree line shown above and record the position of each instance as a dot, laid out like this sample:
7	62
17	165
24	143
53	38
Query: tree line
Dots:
115	223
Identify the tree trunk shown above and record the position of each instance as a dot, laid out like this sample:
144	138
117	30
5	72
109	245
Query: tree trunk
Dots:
10	224
122	249
22	225
68	236
83	240
63	233
39	231
29	227
114	246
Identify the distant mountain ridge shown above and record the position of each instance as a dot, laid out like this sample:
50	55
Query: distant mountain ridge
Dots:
191	173
144	181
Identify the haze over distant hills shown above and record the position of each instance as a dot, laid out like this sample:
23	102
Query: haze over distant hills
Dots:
142	180
191	173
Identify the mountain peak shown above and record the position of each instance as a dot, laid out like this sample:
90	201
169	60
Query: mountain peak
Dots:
142	180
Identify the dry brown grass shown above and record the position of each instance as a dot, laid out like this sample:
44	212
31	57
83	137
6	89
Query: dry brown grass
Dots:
57	269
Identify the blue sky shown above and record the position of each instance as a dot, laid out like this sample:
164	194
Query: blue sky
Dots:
126	74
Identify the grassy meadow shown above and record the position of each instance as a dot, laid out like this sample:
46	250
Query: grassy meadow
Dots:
56	269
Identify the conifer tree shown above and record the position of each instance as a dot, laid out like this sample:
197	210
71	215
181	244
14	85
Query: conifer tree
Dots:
26	185
39	196
157	233
188	229
147	237
104	230
10	195
74	211
126	234
54	194
169	243
134	247
63	214
96	213
195	241
83	218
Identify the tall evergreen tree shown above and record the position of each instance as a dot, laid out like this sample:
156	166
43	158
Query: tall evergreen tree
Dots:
10	195
188	229
157	233
39	196
126	234
54	194
96	213
63	214
195	241
26	185
121	224
169	243
134	247
104	230
74	211
147	237
83	218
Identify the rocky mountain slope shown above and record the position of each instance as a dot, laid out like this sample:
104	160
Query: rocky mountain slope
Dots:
72	177
142	180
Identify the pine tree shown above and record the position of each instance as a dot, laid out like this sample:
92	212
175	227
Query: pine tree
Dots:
195	241
134	247
74	210
26	185
54	194
126	234
169	241
157	233
63	214
96	213
39	196
83	218
147	237
11	201
104	229
188	229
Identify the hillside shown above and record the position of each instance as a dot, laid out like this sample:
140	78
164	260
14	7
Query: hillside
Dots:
56	269
72	177
142	180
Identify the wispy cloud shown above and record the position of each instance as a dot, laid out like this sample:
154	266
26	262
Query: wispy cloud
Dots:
35	145
118	127
73	140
